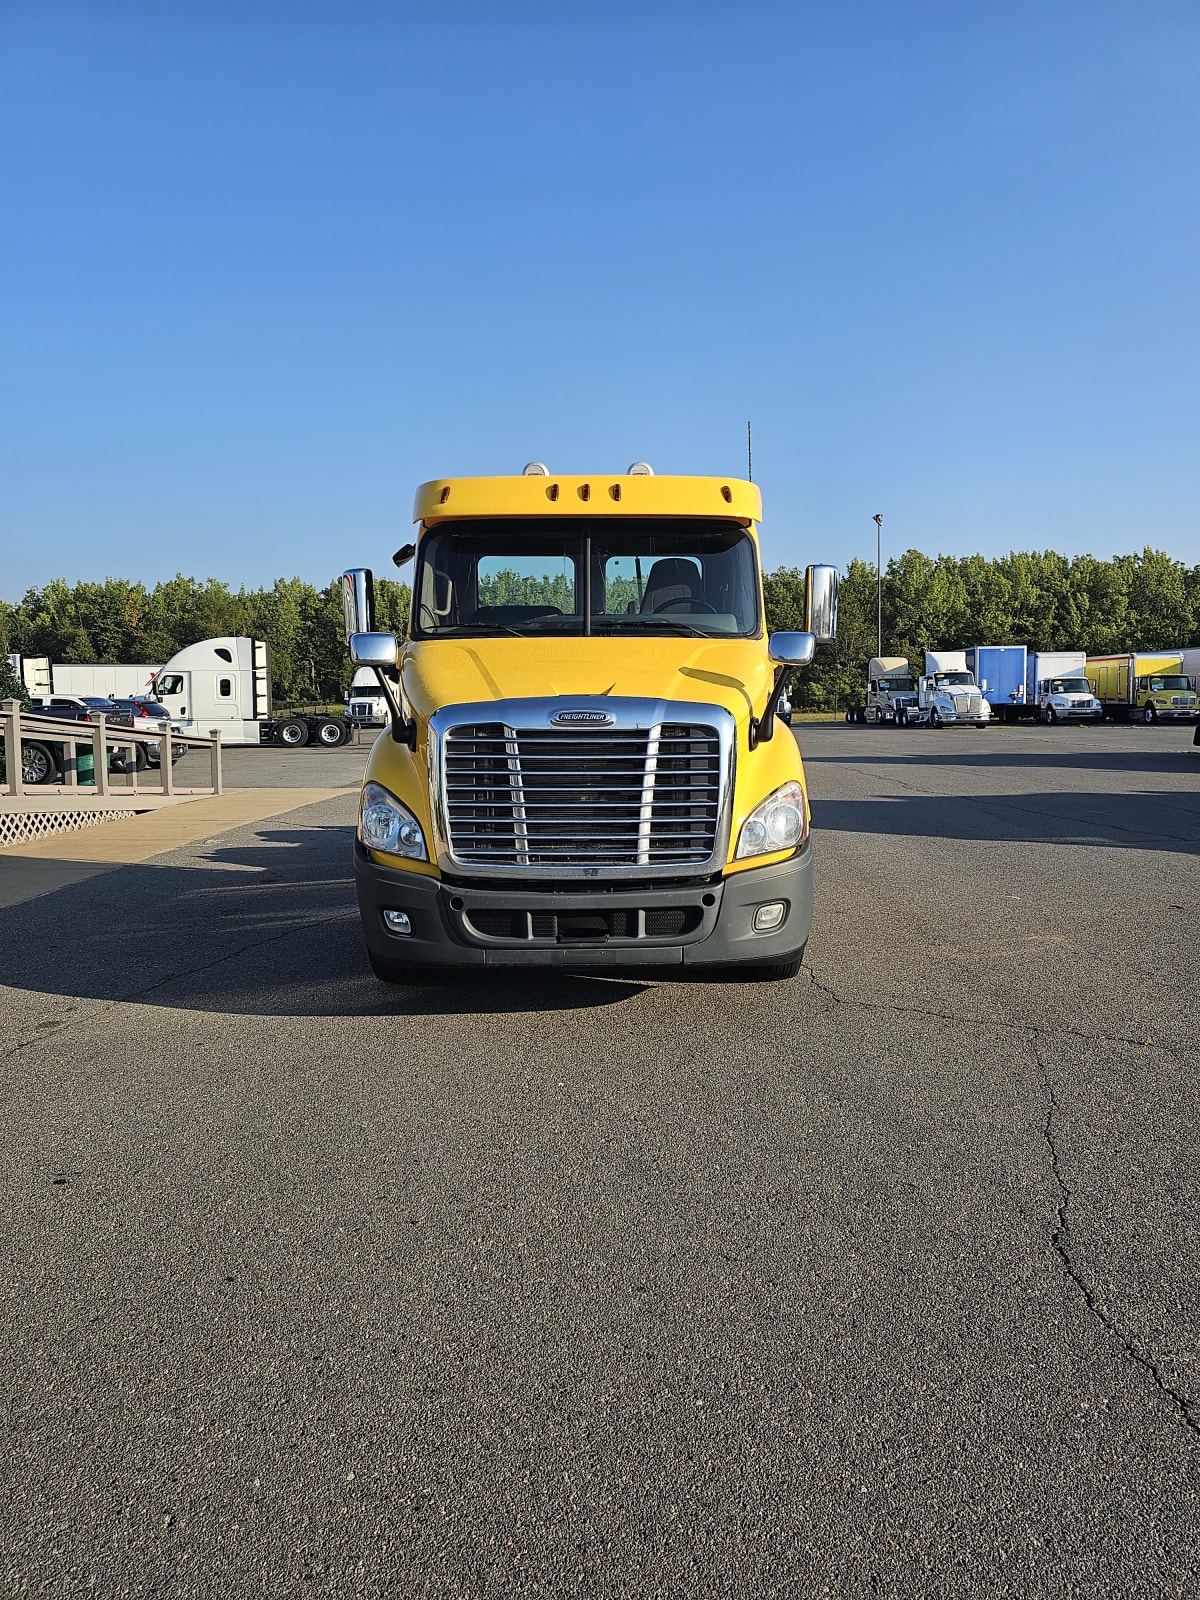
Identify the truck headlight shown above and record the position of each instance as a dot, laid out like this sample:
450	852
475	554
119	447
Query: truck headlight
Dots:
779	823
384	824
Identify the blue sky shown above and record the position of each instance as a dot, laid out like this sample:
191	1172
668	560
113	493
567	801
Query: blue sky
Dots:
268	266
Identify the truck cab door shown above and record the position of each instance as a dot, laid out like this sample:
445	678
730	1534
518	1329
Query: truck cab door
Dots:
225	697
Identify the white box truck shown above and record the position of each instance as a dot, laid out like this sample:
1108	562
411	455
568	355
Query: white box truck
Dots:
1057	689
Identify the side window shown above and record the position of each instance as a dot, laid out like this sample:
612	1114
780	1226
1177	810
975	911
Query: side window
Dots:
225	688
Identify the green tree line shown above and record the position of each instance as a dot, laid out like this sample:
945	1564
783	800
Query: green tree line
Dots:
1039	599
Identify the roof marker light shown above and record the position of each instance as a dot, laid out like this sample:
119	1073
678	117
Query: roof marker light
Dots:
641	469
535	469
614	489
585	491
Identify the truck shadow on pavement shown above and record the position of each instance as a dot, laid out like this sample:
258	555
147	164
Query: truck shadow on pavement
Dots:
931	753
1145	820
269	928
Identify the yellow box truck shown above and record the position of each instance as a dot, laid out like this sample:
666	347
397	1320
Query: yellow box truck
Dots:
583	765
1147	685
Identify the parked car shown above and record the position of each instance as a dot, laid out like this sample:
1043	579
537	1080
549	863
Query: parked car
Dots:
150	718
43	760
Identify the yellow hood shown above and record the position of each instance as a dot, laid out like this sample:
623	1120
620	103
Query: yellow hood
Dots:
733	673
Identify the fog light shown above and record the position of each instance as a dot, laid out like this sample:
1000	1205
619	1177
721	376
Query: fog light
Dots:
397	922
769	916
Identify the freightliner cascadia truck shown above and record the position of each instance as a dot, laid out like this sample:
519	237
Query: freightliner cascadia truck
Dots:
583	765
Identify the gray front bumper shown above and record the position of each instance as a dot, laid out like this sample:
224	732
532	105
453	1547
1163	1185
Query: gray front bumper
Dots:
722	912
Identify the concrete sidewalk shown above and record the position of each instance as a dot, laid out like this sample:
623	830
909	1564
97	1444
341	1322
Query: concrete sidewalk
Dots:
43	865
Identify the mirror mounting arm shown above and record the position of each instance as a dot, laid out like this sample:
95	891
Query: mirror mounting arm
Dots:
403	729
763	728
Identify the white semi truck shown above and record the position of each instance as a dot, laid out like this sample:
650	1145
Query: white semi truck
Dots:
947	694
890	690
365	704
226	683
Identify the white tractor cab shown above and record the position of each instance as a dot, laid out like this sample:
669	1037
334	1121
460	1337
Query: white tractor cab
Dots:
890	691
947	694
1067	699
365	703
225	683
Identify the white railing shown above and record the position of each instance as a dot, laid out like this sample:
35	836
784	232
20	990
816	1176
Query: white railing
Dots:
72	788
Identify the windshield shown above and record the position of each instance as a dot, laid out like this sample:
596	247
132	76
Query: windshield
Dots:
955	678
1171	682
1070	686
631	577
893	684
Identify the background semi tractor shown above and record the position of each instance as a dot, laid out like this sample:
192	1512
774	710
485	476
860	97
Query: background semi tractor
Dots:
584	766
215	683
947	694
1147	685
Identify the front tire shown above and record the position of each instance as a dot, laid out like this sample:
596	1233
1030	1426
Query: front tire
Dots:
395	972
770	971
935	718
1051	715
1149	715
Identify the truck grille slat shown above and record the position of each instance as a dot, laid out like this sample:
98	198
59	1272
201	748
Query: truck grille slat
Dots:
583	797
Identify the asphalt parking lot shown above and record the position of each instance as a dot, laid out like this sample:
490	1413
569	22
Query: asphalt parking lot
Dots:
884	1281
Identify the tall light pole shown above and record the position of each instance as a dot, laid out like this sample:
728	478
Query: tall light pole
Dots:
877	519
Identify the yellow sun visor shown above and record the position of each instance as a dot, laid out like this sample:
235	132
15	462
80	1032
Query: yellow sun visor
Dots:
546	495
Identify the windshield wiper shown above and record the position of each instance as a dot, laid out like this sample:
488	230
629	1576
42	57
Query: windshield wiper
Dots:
632	629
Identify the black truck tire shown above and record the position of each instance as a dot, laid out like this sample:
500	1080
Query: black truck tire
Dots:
332	732
292	733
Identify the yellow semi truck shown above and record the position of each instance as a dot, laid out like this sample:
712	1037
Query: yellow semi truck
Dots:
583	765
1143	684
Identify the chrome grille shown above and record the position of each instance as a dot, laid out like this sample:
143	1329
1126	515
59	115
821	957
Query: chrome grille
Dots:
584	798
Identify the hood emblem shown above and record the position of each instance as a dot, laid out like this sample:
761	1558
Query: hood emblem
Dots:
583	719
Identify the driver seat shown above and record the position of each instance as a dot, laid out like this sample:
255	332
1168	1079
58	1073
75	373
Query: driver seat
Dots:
670	580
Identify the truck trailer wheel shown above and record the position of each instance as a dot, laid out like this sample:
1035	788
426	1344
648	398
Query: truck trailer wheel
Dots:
293	733
332	731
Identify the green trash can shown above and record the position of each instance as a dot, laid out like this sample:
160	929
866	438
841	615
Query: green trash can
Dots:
85	766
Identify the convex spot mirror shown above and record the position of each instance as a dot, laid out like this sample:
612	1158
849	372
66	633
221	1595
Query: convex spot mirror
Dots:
791	649
373	649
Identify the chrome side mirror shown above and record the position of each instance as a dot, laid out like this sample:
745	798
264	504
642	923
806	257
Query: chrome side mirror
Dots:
791	649
820	603
358	602
373	649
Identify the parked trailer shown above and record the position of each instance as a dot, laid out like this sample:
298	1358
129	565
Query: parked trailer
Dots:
999	670
1145	684
1190	660
226	683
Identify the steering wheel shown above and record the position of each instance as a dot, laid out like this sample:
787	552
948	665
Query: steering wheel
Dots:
680	604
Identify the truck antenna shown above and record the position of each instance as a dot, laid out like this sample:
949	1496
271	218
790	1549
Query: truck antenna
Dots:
749	456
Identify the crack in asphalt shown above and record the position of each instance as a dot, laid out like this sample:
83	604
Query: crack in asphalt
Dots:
999	1023
1060	1237
1060	1240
